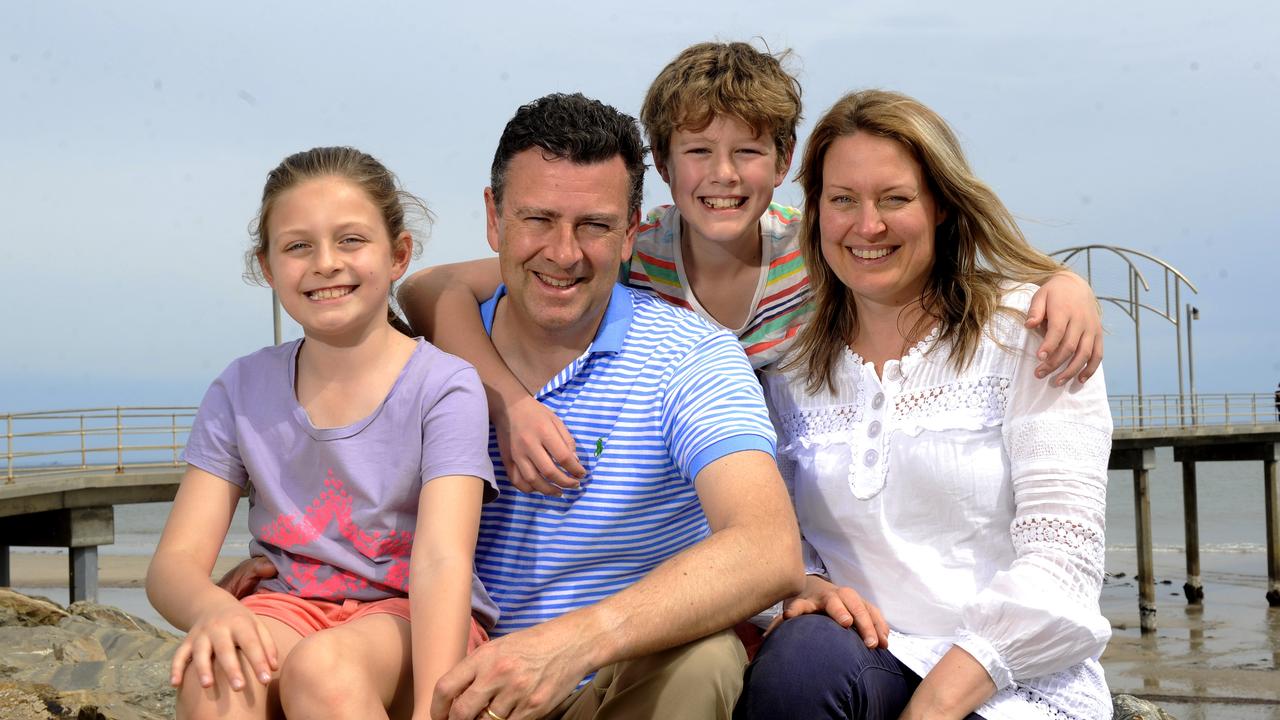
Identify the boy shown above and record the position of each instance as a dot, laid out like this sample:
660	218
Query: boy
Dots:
721	120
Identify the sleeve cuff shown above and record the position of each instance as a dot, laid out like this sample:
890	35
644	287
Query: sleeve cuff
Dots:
728	446
813	564
985	653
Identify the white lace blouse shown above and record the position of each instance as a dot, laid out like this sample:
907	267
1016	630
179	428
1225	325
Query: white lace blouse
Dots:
968	506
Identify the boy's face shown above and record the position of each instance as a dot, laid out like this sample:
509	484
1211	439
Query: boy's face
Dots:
722	179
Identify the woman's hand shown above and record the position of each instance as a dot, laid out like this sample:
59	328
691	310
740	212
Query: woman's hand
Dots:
537	449
1066	310
842	604
219	636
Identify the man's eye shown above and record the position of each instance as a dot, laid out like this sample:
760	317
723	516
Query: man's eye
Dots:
596	228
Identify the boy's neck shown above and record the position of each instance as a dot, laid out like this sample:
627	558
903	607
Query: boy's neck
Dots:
723	276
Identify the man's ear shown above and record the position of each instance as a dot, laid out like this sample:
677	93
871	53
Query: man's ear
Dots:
629	242
491	219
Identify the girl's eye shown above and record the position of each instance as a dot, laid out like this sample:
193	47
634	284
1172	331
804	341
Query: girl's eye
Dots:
290	247
351	240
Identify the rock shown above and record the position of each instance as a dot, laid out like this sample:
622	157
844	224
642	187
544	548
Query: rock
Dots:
114	617
1128	707
88	662
30	611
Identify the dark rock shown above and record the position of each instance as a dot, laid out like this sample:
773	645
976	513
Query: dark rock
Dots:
94	663
1128	707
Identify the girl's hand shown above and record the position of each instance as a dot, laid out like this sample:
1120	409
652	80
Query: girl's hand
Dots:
1067	312
842	604
537	449
221	635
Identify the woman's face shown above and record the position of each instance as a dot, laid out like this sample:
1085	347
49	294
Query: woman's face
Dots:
877	220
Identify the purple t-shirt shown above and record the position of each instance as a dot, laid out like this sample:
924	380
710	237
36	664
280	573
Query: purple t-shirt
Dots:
335	508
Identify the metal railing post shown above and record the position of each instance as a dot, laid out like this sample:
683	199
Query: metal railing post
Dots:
119	441
173	421
8	448
84	457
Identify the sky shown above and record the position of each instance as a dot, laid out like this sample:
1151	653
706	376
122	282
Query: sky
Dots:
135	138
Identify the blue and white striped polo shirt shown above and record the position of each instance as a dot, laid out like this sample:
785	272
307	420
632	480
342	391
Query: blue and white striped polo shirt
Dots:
658	395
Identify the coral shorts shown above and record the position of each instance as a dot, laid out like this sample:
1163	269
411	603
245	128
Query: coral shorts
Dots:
308	616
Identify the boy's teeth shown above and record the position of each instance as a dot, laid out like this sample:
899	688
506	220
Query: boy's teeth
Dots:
723	203
870	254
555	282
329	293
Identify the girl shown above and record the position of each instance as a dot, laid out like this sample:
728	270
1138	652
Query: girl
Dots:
343	438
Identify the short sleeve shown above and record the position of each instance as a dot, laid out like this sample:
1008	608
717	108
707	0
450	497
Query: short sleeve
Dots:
713	406
455	432
212	444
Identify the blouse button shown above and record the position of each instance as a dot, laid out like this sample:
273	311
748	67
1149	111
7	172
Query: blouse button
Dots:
869	459
893	372
873	430
877	402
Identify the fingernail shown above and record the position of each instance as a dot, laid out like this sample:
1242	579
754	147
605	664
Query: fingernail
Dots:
205	681
236	683
265	677
871	642
1043	355
1041	373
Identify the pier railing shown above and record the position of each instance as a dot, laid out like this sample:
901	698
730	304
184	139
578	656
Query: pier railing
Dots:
1132	412
56	442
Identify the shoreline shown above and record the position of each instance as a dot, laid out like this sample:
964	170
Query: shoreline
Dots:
47	570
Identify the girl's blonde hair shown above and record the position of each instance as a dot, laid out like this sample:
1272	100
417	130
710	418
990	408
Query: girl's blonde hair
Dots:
977	246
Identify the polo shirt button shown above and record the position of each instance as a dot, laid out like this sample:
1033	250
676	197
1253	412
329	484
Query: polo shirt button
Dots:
873	430
870	458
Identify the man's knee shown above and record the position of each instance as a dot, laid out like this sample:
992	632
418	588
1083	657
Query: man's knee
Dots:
704	673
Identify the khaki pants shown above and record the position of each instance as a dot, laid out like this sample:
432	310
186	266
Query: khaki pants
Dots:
697	681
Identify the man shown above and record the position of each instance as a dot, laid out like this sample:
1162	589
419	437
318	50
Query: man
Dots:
681	526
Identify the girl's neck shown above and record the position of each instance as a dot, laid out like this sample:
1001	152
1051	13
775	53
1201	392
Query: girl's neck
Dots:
339	383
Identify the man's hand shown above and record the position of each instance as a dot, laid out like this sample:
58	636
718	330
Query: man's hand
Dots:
1067	312
522	676
537	449
243	579
842	604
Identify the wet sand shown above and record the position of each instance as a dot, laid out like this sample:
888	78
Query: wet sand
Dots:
1220	660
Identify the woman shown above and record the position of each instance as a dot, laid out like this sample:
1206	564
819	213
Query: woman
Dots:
932	472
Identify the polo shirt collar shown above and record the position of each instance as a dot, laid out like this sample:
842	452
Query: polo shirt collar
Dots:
613	328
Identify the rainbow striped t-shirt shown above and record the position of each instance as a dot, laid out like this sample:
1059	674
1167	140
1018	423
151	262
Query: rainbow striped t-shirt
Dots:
782	302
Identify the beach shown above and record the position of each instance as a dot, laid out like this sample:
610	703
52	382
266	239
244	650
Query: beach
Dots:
1218	660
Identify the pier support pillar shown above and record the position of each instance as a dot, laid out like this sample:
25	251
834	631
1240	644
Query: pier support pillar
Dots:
4	566
1141	461
1193	587
1273	529
81	530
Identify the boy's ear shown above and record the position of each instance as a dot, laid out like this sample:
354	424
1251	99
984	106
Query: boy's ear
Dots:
660	164
783	168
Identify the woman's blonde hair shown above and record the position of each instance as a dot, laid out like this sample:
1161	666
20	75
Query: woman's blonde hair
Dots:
977	246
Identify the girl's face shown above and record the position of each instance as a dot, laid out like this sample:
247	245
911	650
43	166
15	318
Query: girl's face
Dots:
877	220
331	260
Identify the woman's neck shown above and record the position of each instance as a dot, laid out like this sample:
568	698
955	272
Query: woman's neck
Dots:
887	332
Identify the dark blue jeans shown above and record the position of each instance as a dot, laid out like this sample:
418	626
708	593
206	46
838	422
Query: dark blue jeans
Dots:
812	668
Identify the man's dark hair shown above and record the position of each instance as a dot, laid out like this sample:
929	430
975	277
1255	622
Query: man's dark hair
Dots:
576	128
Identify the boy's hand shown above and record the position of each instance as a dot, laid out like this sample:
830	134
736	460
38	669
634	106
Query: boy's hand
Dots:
220	635
537	449
1066	310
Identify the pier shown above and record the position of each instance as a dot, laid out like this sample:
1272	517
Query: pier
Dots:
65	471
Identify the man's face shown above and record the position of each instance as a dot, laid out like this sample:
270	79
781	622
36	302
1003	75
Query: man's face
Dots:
561	234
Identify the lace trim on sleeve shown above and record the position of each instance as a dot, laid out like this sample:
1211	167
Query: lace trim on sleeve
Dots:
1045	536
